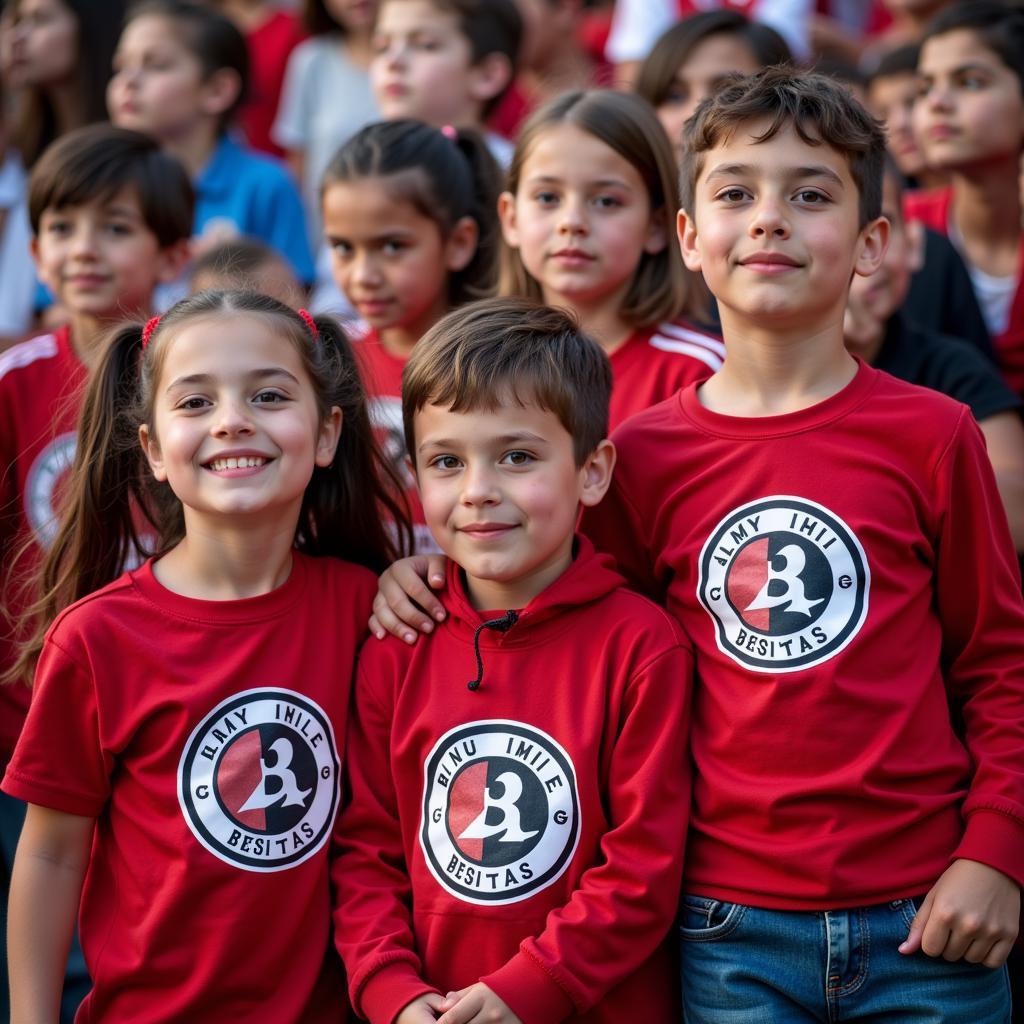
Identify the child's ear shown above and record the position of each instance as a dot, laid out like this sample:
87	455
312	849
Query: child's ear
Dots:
172	260
686	232
154	456
219	91
657	235
871	246
489	77
327	439
507	216
596	473
461	245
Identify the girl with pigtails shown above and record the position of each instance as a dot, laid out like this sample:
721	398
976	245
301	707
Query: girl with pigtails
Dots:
181	756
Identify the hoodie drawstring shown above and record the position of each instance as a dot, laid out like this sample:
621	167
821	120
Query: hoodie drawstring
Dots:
502	625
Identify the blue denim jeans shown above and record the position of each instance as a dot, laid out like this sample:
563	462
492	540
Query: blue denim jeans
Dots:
745	965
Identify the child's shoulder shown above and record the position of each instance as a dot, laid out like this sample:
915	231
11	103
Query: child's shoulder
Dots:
335	574
683	338
636	619
97	614
35	356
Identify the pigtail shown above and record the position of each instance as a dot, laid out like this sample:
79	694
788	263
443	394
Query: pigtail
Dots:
97	533
348	504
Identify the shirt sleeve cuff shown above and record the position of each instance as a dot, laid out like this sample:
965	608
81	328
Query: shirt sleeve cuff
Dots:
389	991
995	839
530	992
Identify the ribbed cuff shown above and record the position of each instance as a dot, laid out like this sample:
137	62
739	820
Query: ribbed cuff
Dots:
530	992
994	839
389	991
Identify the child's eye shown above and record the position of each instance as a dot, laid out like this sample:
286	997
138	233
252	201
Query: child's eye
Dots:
972	82
340	248
58	227
606	202
732	195
193	403
393	246
119	228
545	198
517	458
810	197
268	397
445	462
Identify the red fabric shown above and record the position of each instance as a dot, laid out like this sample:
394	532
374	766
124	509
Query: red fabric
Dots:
270	45
138	687
931	208
585	703
654	363
837	782
41	384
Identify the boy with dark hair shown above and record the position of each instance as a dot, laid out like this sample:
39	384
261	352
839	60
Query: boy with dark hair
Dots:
447	62
111	216
515	841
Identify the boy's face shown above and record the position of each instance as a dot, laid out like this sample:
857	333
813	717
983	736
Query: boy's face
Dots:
775	231
891	99
100	258
422	66
501	492
969	110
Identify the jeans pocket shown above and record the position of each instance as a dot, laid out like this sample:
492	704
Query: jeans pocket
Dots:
702	919
908	908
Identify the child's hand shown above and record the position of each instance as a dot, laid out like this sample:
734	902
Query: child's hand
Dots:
401	584
421	1011
971	913
476	1005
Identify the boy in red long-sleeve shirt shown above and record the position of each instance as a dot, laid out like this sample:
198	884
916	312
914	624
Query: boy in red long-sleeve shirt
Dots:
832	541
519	783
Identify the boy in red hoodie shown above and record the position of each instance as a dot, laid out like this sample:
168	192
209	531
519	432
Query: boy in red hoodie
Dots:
519	782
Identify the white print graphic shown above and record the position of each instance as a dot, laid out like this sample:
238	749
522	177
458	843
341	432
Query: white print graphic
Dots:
50	468
258	779
786	583
501	816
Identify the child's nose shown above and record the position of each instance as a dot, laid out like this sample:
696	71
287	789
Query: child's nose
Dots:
84	240
233	418
769	219
574	219
365	269
479	486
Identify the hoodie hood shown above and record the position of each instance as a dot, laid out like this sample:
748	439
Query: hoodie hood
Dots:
590	577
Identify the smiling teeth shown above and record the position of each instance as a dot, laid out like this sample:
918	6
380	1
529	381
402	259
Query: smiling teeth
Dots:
246	462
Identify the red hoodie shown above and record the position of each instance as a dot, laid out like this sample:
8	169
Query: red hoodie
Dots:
528	833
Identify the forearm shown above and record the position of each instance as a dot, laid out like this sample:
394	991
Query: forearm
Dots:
45	888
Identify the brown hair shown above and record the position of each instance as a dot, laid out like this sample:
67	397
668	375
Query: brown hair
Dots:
487	353
821	111
444	178
96	162
112	490
674	48
662	288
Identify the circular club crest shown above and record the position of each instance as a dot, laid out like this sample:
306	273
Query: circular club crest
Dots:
501	816
258	780
45	479
786	583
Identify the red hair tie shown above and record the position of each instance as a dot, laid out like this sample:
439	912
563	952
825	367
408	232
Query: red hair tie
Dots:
147	331
310	323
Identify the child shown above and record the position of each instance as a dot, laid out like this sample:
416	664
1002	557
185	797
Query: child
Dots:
690	61
587	221
195	704
246	264
833	542
515	842
969	118
409	214
880	330
180	73
446	62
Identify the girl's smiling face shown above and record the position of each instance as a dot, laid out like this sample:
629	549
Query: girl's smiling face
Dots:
235	427
581	219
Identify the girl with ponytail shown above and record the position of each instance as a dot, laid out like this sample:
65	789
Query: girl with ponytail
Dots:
181	755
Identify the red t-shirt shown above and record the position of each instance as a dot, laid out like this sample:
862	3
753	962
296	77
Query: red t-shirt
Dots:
931	207
528	833
205	737
269	44
655	362
843	572
41	385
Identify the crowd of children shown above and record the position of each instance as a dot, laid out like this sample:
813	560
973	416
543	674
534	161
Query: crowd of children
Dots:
481	547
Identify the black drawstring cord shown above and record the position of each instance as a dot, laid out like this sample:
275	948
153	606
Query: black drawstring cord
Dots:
502	625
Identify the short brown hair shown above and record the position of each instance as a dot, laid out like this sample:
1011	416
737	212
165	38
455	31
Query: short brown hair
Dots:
96	162
821	110
662	288
484	354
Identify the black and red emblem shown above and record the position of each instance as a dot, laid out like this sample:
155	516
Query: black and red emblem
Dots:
786	583
258	780
500	811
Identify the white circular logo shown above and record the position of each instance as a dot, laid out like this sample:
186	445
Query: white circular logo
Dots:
258	780
786	582
501	813
48	471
